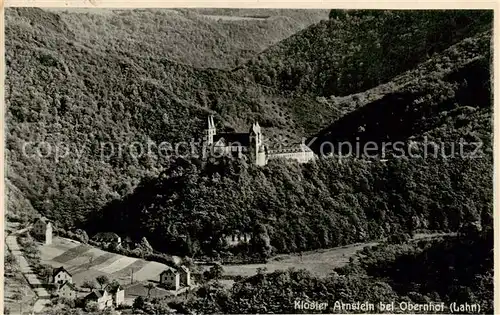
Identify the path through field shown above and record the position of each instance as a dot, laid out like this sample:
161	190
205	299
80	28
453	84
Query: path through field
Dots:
24	267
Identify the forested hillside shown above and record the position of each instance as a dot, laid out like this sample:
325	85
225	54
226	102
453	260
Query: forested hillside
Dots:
65	87
203	38
450	92
360	49
68	85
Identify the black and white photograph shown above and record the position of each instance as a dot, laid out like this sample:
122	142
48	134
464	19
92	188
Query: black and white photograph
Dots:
248	161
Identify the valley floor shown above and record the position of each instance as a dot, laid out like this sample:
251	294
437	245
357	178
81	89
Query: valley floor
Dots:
319	262
86	262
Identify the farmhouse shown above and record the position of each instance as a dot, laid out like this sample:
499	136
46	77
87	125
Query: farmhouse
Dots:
251	145
61	276
107	238
174	279
170	279
117	293
42	230
67	290
101	297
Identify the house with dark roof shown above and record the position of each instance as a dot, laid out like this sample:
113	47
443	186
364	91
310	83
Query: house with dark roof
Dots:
107	238
42	230
170	279
67	290
61	276
102	298
175	278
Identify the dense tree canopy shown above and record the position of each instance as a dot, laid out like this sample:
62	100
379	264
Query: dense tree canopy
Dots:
327	203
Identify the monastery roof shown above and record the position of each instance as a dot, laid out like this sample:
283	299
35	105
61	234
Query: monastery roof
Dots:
292	149
242	139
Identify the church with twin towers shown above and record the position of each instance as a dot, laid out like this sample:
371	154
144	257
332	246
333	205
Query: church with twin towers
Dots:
250	145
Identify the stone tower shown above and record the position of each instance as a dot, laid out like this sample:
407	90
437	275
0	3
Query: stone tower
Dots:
211	130
257	143
48	234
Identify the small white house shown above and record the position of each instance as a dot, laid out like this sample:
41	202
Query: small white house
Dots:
67	290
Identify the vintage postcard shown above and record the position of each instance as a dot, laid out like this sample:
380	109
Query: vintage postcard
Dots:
201	160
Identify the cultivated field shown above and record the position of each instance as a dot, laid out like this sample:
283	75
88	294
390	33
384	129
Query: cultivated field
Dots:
86	262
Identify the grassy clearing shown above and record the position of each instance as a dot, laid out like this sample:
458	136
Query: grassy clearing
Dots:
320	262
50	252
151	271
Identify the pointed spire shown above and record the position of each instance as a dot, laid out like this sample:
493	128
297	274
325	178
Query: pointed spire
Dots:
211	124
256	127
